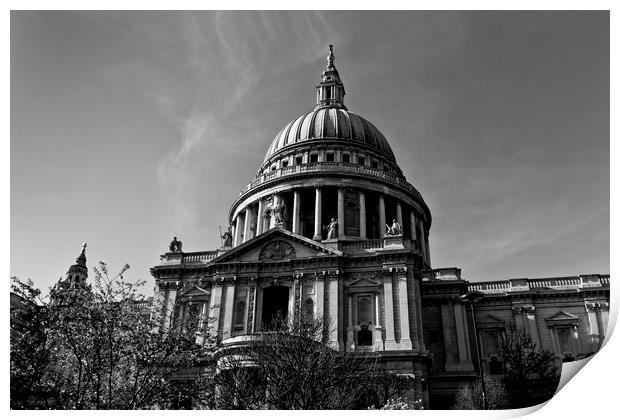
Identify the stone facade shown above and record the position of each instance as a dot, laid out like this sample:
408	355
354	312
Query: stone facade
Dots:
374	292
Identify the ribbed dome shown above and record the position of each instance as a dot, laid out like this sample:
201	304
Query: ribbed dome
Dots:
331	123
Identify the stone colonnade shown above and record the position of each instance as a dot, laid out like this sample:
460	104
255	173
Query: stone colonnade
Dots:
257	218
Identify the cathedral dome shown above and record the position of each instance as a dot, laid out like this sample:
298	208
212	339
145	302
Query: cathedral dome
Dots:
331	123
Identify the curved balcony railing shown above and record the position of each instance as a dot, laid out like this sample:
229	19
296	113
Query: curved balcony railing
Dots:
330	167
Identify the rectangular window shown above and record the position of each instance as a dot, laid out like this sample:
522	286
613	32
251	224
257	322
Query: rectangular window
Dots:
364	310
284	163
565	340
330	157
346	158
314	158
298	160
375	164
361	160
491	343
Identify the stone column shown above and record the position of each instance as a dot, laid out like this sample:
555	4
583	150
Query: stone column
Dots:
215	307
239	230
412	225
381	216
317	215
229	304
350	332
234	232
462	337
593	321
428	250
529	313
362	215
296	204
247	232
340	213
390	340
603	318
448	324
423	241
377	335
399	214
405	338
168	307
260	219
334	325
319	291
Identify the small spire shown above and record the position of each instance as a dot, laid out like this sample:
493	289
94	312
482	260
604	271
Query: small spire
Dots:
81	259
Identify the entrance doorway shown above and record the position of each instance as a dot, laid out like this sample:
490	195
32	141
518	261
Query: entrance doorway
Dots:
275	306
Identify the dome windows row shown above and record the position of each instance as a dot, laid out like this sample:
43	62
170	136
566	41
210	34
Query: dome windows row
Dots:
347	157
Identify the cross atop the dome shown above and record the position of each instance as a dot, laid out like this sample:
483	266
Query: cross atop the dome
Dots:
330	57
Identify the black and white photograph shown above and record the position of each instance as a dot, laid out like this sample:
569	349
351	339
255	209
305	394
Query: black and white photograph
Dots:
307	210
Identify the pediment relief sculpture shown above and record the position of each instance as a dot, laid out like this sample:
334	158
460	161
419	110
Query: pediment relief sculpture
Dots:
277	251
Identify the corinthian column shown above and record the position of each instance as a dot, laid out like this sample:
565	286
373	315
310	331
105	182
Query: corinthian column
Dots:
362	215
381	216
399	214
317	215
296	204
247	234
260	219
412	225
340	212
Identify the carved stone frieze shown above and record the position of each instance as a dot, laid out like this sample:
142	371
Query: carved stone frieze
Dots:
277	251
528	309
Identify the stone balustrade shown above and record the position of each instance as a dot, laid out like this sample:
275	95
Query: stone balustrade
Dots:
555	283
323	167
200	257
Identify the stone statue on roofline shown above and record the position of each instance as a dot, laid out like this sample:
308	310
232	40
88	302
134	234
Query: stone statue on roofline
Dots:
227	237
394	230
176	245
279	211
332	229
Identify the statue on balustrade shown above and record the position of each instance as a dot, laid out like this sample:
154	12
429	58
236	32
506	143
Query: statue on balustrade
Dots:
176	245
279	211
332	229
394	230
227	237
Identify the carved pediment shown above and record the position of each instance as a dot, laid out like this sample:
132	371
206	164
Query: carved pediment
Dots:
562	318
193	291
275	245
370	279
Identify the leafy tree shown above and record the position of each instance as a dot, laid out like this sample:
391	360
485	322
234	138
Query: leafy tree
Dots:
94	347
469	397
30	352
290	368
531	375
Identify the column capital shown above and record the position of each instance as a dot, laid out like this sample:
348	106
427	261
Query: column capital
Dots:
398	269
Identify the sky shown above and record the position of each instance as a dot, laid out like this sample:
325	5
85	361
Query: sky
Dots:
128	128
